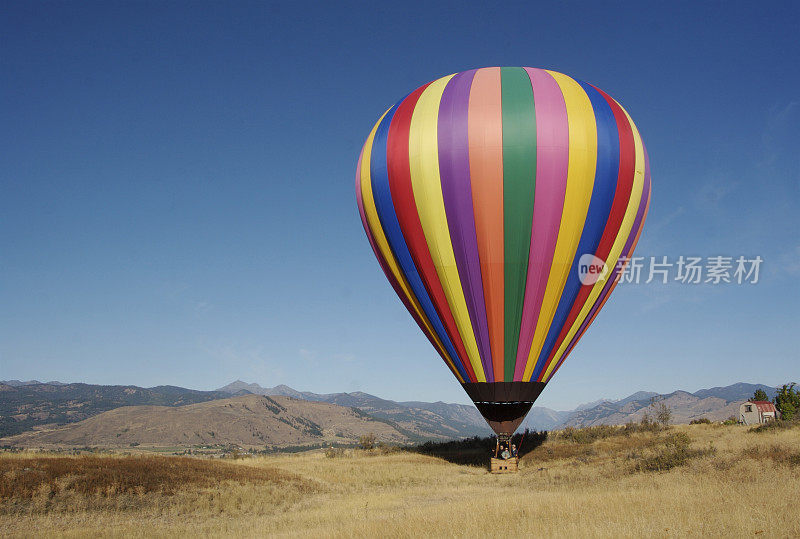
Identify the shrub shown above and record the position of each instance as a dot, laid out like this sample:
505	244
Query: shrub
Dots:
776	453
700	421
236	454
776	425
367	441
674	452
334	452
386	449
663	414
650	423
731	421
646	424
587	435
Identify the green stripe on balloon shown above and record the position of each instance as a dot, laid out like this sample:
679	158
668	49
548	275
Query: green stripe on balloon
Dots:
519	182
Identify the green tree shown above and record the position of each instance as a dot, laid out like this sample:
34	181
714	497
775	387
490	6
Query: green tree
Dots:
760	395
787	401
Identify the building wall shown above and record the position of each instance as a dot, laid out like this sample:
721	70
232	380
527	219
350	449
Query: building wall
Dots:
749	418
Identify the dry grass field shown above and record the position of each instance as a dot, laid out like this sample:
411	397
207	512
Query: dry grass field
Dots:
691	480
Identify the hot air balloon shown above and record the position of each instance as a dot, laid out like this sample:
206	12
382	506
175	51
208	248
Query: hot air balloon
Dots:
501	204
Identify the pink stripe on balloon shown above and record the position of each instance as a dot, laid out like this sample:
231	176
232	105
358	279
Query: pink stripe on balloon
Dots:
552	159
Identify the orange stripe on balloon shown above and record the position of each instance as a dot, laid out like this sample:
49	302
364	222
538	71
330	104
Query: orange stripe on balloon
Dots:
485	128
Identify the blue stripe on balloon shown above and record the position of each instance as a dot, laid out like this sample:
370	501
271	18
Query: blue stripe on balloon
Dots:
605	184
379	175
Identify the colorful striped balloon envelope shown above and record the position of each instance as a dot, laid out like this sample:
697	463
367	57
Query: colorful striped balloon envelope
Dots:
501	204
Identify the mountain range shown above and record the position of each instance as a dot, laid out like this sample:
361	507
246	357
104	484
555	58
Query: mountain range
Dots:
438	418
28	405
716	404
251	421
84	408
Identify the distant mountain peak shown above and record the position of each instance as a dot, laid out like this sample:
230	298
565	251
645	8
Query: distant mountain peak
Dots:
19	383
283	390
238	386
638	396
593	404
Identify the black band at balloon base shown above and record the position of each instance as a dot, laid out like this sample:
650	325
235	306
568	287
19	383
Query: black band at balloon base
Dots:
504	404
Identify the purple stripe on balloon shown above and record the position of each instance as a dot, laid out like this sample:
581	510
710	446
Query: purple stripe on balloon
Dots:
453	142
552	158
626	252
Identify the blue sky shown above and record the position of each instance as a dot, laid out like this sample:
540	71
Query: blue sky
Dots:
177	203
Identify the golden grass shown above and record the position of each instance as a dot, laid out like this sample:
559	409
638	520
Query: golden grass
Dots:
57	484
746	486
25	478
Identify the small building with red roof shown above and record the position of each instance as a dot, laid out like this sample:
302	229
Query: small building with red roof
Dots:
757	412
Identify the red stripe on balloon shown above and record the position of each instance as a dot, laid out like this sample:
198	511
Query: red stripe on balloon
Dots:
399	169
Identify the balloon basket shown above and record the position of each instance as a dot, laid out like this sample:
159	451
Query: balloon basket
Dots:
497	464
504	465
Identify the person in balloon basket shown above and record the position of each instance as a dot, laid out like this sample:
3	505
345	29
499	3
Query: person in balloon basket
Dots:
498	451
514	452
505	454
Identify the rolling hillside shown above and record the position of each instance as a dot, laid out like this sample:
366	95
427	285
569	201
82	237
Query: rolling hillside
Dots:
248	421
28	405
716	404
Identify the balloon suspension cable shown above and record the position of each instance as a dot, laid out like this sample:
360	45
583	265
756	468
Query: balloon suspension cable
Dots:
503	440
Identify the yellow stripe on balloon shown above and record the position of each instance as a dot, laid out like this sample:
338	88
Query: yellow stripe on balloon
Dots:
616	248
371	212
427	186
580	181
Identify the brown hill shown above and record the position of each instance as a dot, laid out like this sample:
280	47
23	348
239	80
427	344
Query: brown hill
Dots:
30	405
248	421
684	406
